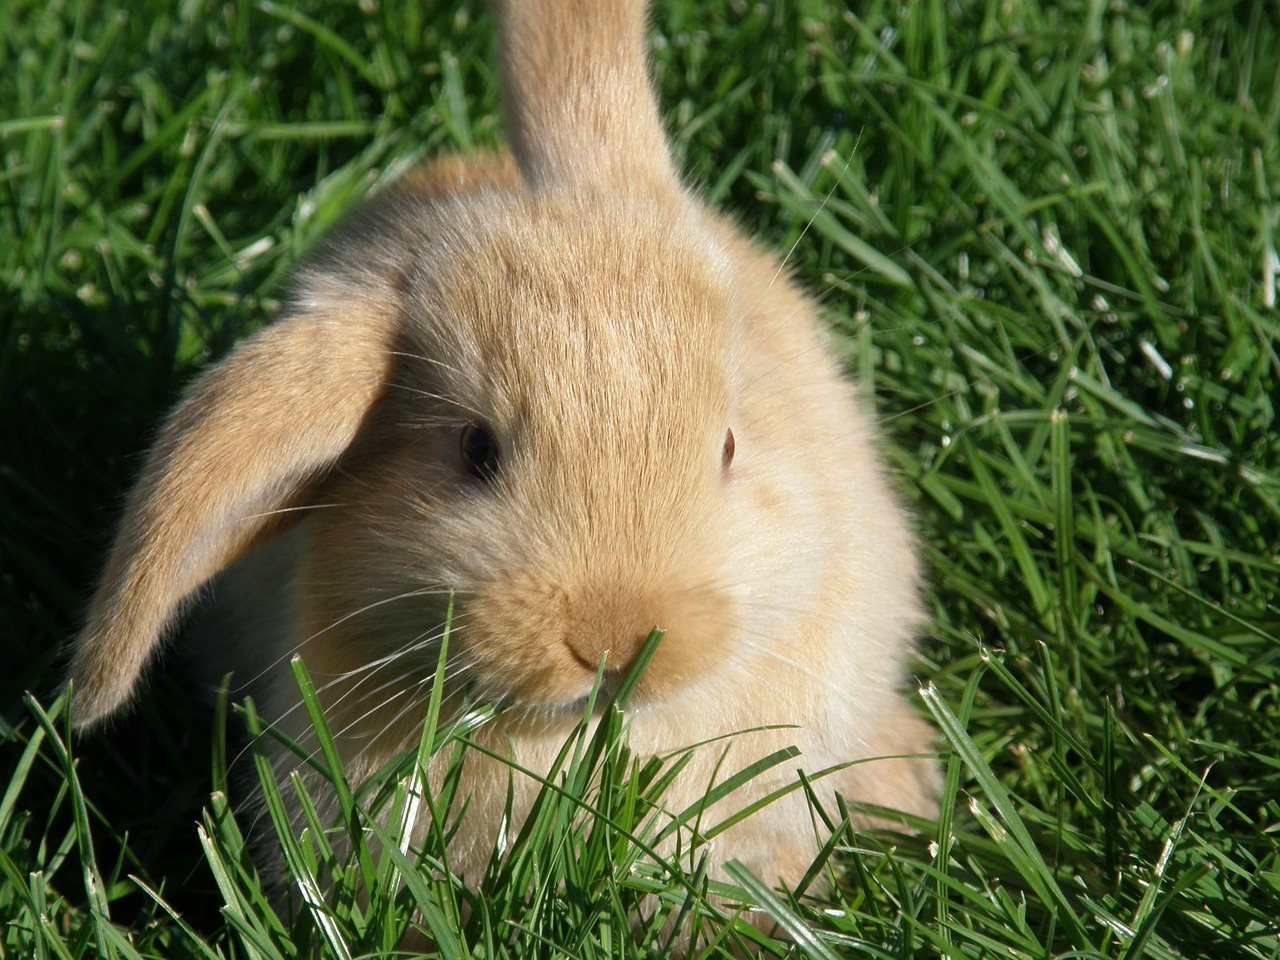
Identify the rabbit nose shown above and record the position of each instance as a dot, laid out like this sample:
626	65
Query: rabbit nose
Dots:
616	658
611	629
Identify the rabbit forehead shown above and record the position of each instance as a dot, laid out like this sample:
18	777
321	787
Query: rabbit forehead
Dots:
546	305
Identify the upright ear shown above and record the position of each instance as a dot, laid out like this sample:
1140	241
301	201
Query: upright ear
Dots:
578	104
250	433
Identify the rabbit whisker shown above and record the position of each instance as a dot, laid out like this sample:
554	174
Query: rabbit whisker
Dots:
289	654
782	265
279	511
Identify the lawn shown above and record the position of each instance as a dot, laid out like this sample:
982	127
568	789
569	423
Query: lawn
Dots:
1045	235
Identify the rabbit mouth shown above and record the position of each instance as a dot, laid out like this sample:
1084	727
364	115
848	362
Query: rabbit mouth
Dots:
590	703
553	675
561	685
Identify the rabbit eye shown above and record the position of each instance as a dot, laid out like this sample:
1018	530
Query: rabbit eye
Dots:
479	452
726	456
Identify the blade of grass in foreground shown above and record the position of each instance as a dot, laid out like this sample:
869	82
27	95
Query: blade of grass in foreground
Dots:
94	888
805	937
1008	831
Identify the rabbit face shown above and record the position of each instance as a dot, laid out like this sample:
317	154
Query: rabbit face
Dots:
566	514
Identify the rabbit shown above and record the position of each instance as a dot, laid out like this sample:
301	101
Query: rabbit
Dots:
551	391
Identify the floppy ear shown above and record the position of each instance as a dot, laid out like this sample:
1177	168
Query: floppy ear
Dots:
246	438
578	105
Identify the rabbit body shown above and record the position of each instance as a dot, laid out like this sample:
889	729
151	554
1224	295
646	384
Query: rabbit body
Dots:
555	390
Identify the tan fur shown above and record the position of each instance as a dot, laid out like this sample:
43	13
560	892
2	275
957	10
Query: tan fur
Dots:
579	110
610	330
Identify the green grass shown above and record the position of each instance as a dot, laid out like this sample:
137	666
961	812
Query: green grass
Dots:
1046	235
